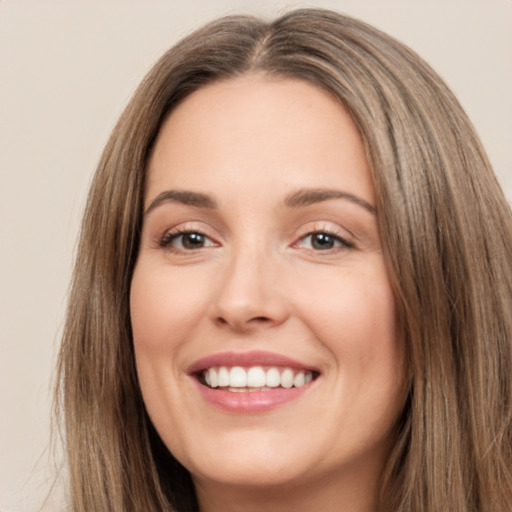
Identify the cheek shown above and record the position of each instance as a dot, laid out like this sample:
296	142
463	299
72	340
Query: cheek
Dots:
164	306
353	315
352	311
165	309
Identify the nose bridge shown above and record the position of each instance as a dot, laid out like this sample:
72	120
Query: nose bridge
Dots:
248	293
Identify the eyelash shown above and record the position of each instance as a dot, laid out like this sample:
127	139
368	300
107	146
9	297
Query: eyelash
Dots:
344	244
166	241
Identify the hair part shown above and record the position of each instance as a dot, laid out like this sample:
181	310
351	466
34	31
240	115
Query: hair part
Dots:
446	230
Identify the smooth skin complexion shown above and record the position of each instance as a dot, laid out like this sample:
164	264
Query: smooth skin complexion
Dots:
260	247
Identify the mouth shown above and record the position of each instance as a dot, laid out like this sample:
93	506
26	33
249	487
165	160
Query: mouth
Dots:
237	379
251	382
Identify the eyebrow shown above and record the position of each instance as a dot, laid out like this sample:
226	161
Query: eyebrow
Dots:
309	196
196	199
300	198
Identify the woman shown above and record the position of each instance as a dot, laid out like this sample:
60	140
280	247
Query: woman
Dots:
293	286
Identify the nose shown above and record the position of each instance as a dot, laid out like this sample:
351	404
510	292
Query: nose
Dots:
248	296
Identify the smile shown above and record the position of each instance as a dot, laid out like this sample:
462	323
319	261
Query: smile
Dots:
255	378
252	382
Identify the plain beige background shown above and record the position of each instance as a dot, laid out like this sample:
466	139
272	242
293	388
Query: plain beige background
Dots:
67	70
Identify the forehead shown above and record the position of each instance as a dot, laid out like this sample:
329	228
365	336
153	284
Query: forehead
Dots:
252	127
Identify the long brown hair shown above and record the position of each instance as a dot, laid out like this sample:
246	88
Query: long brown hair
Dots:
445	226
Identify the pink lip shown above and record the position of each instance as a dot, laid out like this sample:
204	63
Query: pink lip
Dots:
255	358
251	401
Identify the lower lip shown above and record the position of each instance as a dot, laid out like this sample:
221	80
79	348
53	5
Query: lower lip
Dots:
250	401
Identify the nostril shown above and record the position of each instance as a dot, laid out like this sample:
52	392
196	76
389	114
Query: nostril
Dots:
260	319
243	324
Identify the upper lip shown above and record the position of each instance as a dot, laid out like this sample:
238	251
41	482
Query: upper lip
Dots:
253	358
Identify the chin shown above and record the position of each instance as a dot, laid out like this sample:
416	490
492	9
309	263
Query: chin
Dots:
260	473
253	461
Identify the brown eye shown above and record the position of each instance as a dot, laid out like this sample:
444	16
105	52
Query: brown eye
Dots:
188	240
323	241
192	240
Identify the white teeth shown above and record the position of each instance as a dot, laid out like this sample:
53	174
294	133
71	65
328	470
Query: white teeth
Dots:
299	380
223	376
237	377
273	378
255	378
287	378
213	378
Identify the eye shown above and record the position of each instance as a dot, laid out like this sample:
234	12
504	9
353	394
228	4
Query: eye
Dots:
323	241
186	240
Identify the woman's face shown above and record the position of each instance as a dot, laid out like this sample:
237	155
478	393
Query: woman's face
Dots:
261	260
